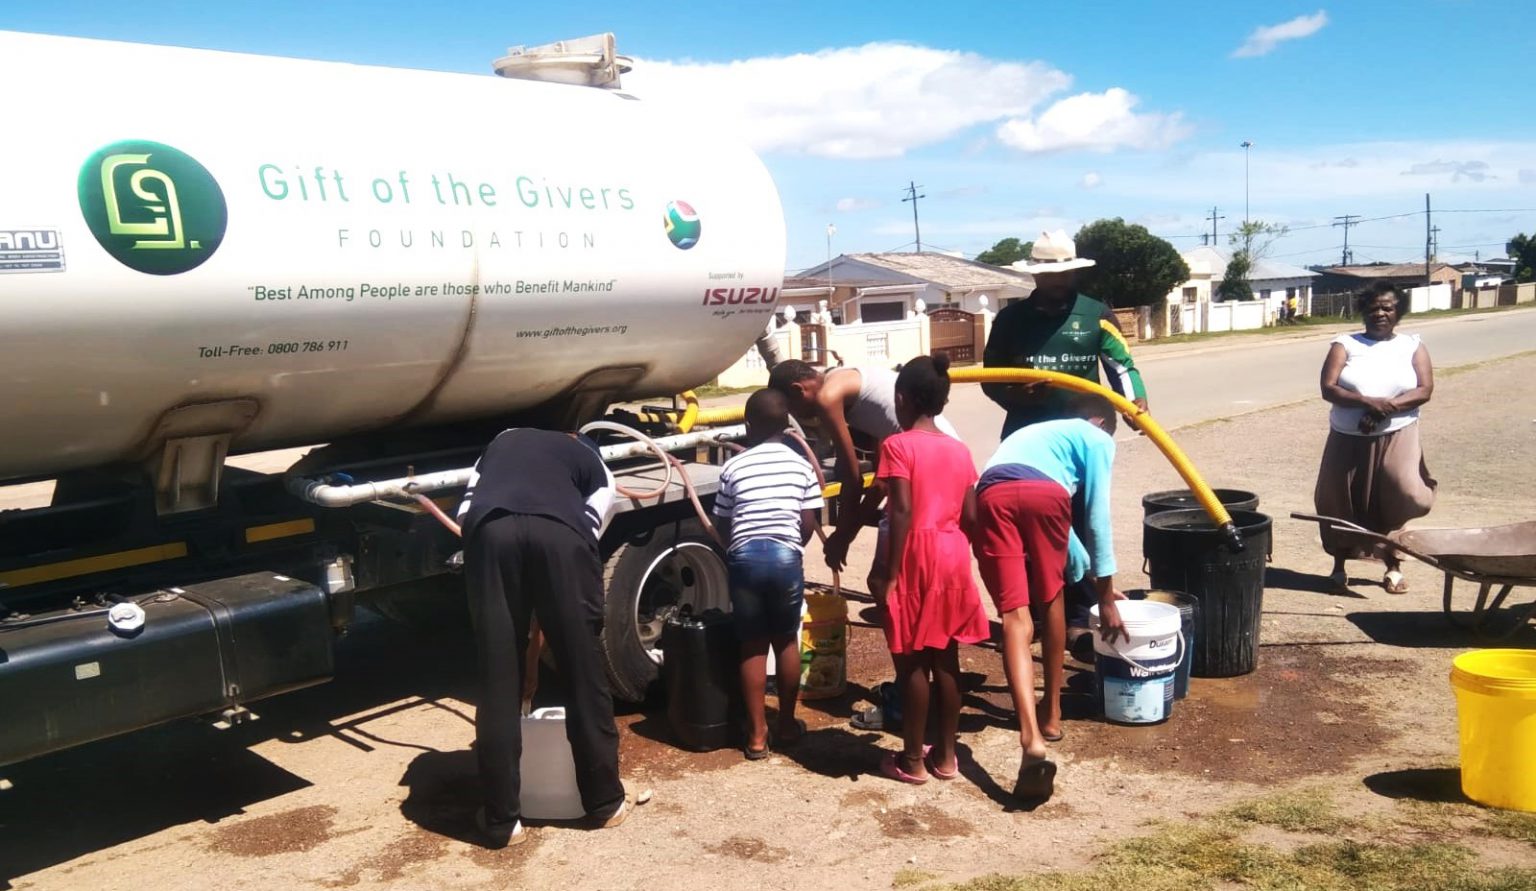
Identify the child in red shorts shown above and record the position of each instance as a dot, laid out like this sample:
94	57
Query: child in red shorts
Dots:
931	601
1023	542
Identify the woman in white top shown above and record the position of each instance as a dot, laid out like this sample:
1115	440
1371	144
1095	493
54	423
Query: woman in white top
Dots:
1373	471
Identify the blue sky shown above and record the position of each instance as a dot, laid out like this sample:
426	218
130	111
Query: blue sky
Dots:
1014	117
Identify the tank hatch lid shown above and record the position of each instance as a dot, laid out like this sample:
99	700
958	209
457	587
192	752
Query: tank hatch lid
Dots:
585	61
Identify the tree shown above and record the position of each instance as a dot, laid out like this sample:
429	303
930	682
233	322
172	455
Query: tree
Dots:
1132	267
1005	252
1251	243
1522	249
1234	283
1257	238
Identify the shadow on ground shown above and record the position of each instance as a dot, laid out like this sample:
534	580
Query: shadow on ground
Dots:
1291	580
74	803
1440	785
1432	629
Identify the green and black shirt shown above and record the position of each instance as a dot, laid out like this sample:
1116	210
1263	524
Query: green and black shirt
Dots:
1076	344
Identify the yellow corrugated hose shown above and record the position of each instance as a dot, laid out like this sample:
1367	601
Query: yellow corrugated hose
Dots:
690	412
694	416
1141	418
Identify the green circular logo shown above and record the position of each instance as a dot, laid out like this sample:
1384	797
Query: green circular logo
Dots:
152	207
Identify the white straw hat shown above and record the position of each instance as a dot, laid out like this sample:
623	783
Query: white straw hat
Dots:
1053	252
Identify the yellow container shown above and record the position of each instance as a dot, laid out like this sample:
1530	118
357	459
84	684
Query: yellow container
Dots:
1496	703
824	646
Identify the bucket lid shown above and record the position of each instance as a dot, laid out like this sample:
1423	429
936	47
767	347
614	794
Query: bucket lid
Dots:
1510	674
1145	618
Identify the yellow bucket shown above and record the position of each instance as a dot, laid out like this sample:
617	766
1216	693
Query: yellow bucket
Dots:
1496	702
824	646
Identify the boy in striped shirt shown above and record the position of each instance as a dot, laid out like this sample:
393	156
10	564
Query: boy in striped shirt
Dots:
766	510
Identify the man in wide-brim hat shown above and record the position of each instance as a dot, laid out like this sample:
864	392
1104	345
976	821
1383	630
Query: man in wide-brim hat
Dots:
1057	329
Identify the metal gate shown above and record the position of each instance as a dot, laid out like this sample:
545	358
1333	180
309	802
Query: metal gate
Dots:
813	344
953	332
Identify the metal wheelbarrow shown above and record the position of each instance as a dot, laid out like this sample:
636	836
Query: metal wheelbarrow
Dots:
1489	556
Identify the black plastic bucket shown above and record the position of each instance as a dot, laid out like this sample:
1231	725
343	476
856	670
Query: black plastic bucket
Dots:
1186	552
1189	612
702	678
1184	499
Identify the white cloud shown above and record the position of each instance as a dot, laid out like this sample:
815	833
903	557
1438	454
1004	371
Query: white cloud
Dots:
850	205
1263	40
1476	171
1100	122
1091	180
879	100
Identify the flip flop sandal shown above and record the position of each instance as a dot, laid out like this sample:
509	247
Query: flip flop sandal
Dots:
1036	782
1053	737
756	754
871	718
1394	583
933	767
890	766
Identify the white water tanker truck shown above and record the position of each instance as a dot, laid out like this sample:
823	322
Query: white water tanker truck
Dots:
204	254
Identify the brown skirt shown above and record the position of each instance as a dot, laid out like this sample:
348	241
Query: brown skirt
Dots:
1379	482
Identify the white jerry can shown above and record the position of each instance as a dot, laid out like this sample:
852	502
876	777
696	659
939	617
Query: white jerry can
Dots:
548	770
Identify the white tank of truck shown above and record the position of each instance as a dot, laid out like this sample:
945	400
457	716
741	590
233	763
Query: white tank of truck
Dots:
286	251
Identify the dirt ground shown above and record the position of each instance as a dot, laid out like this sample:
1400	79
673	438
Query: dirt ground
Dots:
368	782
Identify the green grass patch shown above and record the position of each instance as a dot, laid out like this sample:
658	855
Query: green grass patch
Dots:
1300	810
710	391
906	877
1213	854
1512	825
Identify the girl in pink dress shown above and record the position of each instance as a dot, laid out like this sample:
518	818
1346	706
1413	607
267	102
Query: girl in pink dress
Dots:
931	601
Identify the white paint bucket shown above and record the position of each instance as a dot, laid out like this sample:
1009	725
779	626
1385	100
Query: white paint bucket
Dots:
1136	676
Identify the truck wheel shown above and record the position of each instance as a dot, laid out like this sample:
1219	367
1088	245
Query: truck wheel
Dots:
647	580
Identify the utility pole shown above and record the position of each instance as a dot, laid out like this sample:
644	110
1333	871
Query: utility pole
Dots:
913	197
831	231
1434	243
1347	220
1247	237
1429	237
1215	239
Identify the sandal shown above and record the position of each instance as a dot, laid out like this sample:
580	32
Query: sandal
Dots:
890	766
871	718
933	767
1036	781
1394	582
752	754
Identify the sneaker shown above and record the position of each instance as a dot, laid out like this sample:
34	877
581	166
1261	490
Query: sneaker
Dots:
617	818
500	835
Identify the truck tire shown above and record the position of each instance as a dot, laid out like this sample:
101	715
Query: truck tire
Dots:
647	580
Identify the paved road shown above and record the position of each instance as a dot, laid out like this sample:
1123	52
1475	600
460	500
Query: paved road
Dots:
1189	382
1193	382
